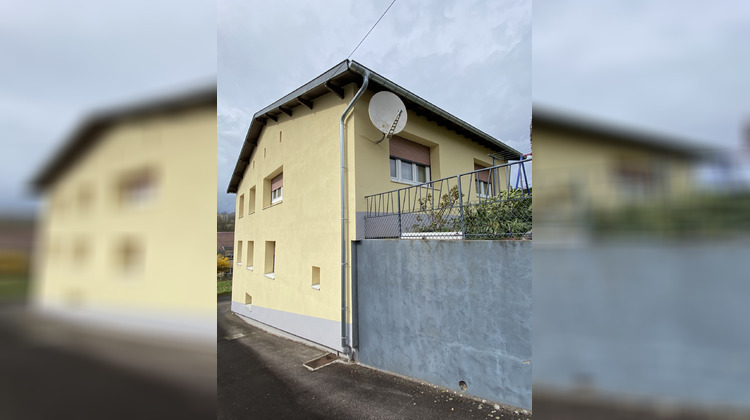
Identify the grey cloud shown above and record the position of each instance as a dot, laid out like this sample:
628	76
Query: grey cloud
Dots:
467	58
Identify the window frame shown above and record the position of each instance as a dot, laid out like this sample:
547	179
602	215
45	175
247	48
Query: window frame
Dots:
414	171
279	196
486	192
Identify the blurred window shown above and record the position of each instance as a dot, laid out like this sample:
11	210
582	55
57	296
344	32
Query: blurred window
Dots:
137	188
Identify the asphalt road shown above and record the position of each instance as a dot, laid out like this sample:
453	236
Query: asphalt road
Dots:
42	380
261	376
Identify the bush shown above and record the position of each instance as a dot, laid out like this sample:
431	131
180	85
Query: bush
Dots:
222	264
507	216
439	219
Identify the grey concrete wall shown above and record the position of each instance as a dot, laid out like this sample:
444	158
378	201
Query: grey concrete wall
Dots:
449	311
653	320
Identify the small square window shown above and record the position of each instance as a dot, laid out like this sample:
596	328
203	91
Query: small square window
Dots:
130	257
137	188
251	201
270	262
316	278
250	251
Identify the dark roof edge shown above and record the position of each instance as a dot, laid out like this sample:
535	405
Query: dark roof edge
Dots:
241	165
333	72
328	75
545	116
85	134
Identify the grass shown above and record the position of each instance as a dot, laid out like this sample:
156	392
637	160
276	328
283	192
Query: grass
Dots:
223	287
13	287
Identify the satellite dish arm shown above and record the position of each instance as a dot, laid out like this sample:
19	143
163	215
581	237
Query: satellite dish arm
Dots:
393	128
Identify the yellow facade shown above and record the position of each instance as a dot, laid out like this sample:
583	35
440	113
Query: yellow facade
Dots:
306	225
129	228
575	171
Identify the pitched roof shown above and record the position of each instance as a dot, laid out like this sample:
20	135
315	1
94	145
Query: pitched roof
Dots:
88	133
224	239
543	116
333	81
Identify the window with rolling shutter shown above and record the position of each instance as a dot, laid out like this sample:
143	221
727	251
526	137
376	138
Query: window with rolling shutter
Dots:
277	186
410	161
483	183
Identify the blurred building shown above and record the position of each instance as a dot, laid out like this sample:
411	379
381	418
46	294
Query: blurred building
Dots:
225	244
127	223
638	276
582	166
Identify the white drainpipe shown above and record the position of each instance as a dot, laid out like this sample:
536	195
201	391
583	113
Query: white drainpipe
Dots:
344	333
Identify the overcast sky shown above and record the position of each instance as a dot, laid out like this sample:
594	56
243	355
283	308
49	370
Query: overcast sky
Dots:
64	60
677	67
471	58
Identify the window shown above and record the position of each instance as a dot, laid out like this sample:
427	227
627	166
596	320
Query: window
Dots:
137	188
241	210
410	161
85	198
273	187
270	268
277	186
409	172
638	179
131	257
316	278
80	252
483	181
239	252
251	201
250	250
484	189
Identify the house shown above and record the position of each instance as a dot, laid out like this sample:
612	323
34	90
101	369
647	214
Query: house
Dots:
225	244
128	218
583	166
306	164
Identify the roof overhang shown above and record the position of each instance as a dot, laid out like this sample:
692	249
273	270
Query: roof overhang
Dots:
89	132
333	81
548	119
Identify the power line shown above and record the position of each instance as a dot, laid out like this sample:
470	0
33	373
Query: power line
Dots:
363	39
368	32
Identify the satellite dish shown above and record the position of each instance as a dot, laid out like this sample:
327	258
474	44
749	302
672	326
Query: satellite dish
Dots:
387	113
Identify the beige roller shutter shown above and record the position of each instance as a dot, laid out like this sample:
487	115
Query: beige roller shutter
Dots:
408	150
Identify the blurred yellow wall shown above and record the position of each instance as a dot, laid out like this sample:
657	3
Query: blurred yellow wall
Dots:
130	226
574	172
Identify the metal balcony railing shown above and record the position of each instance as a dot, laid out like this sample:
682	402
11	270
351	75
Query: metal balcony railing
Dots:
490	203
